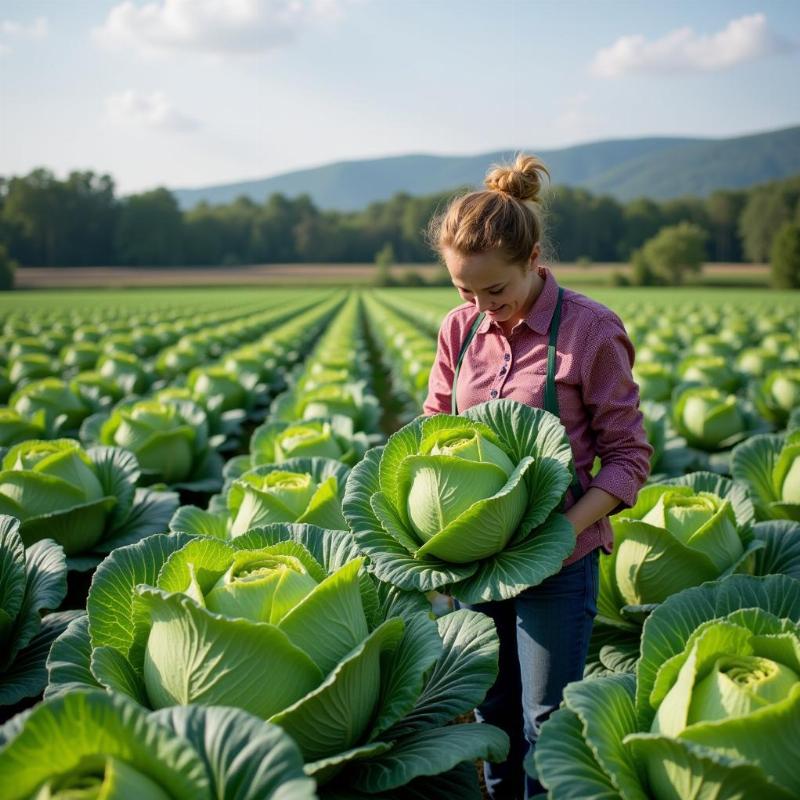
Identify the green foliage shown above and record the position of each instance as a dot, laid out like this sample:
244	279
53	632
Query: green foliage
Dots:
641	272
670	254
785	257
620	279
45	221
8	270
767	209
412	278
384	261
32	580
724	210
149	230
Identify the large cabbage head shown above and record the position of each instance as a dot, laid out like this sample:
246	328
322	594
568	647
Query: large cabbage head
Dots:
89	745
14	427
50	404
351	400
708	418
278	441
713	710
125	370
86	500
709	370
769	465
158	435
270	610
777	395
286	624
217	389
29	367
679	534
757	361
449	498
168	437
300	490
655	381
54	489
80	355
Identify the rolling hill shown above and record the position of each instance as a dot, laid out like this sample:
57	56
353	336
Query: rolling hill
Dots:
656	167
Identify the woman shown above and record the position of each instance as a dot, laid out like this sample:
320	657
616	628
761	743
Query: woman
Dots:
491	242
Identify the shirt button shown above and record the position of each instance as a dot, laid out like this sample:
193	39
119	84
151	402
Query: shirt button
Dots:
507	357
503	371
494	392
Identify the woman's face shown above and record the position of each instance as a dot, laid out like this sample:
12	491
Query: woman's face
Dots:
504	291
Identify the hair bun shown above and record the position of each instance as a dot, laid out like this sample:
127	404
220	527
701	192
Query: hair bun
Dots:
523	181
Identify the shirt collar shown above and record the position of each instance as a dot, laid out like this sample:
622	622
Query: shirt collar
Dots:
541	313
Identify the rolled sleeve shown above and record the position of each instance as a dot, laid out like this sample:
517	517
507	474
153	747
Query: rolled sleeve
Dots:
612	399
440	381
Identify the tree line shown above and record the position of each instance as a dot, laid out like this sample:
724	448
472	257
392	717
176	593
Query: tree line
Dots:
80	221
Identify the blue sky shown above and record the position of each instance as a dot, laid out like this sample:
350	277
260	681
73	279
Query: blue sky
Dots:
195	92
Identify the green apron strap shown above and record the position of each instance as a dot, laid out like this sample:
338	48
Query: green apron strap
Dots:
464	346
550	396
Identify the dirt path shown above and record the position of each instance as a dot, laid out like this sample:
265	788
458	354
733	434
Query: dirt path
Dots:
286	274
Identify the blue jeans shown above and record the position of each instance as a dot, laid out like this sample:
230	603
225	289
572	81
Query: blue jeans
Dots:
544	637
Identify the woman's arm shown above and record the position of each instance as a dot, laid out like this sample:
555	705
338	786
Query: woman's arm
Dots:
612	398
440	380
593	506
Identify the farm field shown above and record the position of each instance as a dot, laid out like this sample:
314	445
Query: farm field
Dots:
204	525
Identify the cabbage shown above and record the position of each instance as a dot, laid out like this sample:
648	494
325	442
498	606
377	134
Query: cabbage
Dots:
169	438
769	466
285	624
83	499
713	710
94	746
466	504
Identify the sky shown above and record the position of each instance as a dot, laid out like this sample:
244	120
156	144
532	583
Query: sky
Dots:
188	93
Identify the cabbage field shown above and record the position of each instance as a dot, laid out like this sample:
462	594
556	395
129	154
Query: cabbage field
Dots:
229	548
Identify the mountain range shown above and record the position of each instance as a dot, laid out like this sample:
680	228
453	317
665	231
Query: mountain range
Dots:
655	167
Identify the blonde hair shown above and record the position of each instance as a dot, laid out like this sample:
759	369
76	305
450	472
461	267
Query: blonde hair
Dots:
506	216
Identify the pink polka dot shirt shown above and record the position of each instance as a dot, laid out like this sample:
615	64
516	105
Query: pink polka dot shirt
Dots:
597	397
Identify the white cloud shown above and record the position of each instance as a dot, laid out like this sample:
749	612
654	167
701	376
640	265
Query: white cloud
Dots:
154	110
682	50
212	26
11	31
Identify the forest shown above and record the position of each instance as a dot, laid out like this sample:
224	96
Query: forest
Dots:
81	221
